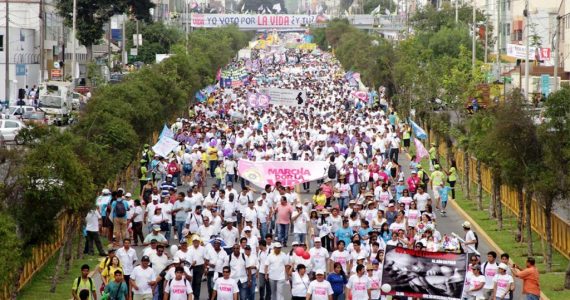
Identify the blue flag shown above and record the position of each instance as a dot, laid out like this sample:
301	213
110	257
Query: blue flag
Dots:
418	131
166	132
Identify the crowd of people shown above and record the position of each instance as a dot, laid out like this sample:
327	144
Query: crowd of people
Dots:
205	222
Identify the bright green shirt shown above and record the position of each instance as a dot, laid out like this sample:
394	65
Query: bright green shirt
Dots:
452	174
432	153
86	284
437	177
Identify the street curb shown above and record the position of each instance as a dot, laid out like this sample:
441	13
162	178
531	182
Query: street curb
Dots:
483	234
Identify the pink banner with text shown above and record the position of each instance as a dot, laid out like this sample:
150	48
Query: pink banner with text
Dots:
289	173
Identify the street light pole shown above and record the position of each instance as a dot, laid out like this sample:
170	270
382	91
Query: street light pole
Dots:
557	54
473	48
73	39
7	54
526	65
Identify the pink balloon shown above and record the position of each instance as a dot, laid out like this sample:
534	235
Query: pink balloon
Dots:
306	255
299	251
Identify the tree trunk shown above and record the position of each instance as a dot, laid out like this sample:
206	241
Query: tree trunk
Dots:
59	263
479	186
498	202
548	231
528	212
493	202
69	250
520	215
449	147
467	177
80	244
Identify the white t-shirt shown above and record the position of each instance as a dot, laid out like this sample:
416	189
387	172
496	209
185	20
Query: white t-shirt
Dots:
477	281
342	258
319	257
92	221
138	210
229	236
469	237
127	257
359	286
503	284
422	200
178	289
413	217
276	264
226	288
320	290
142	276
300	224
489	271
299	285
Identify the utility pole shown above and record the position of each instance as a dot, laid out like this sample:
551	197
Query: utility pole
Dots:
457	11
73	39
486	37
124	42
7	54
137	39
499	32
109	36
42	40
526	65
473	47
557	54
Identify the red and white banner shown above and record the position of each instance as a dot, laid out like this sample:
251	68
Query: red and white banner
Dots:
255	21
289	173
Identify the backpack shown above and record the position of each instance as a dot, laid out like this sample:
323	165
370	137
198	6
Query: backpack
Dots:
332	171
120	209
425	178
79	282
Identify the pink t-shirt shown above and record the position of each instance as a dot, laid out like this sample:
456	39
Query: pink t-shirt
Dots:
284	213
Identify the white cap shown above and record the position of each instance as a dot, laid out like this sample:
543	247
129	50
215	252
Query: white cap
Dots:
319	272
277	245
466	224
317	240
503	266
169	175
106	191
128	195
247	228
176	260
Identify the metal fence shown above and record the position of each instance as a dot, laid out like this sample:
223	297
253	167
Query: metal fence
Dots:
560	227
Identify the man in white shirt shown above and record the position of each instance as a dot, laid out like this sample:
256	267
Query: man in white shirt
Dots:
217	259
319	255
225	288
178	288
158	260
231	167
300	220
422	199
320	289
264	287
230	235
199	262
470	243
238	265
92	227
143	280
358	286
263	212
127	256
276	270
207	230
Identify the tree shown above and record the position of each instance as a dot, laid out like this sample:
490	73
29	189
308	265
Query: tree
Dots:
158	38
371	5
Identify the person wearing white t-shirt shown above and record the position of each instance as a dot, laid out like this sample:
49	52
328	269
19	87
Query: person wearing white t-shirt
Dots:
476	284
229	235
340	256
489	269
225	288
142	280
300	283
127	256
421	198
92	228
178	288
299	219
503	283
276	270
320	289
319	255
358	286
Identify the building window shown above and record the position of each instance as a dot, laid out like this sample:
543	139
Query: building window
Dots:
508	29
1	43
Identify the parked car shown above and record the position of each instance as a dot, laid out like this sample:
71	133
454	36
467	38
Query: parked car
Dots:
9	129
16	112
36	117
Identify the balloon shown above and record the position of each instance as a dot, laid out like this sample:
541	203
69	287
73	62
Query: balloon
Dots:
386	288
227	152
306	255
344	151
213	142
299	251
173	249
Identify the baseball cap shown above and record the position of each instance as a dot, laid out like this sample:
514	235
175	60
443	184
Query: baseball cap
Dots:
277	245
319	272
128	195
156	227
247	228
169	176
145	258
466	224
503	266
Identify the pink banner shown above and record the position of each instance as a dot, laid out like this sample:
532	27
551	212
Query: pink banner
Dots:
420	150
289	173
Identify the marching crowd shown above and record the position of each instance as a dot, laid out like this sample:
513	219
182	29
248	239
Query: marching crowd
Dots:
232	234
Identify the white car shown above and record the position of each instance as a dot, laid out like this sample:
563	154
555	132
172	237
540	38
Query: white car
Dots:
10	128
16	112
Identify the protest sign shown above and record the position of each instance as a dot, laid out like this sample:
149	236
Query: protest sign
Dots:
423	274
164	146
284	97
289	173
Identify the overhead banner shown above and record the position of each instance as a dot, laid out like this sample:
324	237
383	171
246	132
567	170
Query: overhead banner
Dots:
255	21
289	173
164	146
519	51
284	97
423	274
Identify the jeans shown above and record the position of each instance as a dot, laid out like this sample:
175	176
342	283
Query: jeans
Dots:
452	185
354	190
532	297
243	290
338	297
213	165
94	236
263	230
394	152
264	288
342	203
251	290
218	181
230	178
167	233
179	227
277	287
300	237
283	233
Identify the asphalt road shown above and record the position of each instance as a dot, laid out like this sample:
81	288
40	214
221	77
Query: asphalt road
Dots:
445	224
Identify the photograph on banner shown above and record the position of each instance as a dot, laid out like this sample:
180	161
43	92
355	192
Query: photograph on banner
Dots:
289	173
423	274
285	97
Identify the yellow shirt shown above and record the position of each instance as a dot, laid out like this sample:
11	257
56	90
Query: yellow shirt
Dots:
205	159
320	199
213	153
109	272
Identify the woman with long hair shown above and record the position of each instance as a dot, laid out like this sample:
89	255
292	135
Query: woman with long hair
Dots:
337	280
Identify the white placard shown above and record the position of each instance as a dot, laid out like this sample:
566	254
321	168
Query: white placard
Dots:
285	97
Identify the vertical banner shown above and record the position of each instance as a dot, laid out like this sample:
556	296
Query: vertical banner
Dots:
421	151
425	275
545	84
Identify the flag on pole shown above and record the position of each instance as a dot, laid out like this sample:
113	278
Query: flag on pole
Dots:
166	132
420	150
418	131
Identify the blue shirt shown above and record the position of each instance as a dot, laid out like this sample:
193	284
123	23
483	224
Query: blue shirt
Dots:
443	193
362	232
126	203
399	190
344	234
337	282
